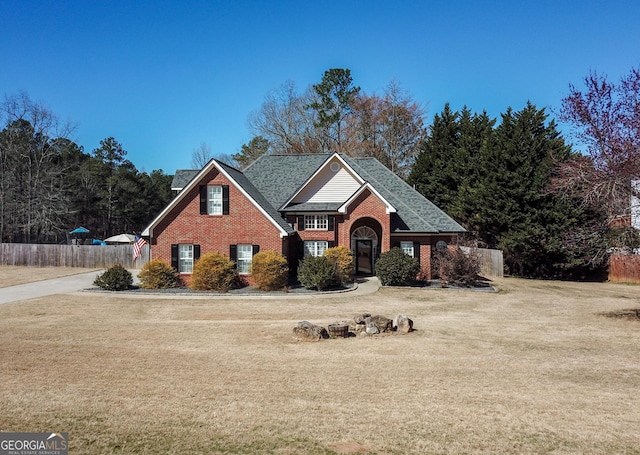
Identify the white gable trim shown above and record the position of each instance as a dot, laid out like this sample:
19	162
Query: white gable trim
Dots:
148	231
359	179
367	186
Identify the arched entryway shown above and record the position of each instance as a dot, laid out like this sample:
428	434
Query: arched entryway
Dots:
365	245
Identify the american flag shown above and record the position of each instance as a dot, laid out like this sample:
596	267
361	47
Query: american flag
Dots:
137	247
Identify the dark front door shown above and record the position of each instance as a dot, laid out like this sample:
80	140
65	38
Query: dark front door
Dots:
364	257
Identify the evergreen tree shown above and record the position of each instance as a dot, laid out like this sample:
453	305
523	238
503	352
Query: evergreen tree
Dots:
520	216
250	152
495	182
475	137
333	103
434	173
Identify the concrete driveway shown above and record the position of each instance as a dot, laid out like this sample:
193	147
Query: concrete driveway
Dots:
62	285
77	283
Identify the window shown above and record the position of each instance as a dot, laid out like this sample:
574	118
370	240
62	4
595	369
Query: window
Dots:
242	255
441	245
316	222
185	258
315	247
407	248
245	255
214	200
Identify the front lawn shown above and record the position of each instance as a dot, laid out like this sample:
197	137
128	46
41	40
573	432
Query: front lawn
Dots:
534	368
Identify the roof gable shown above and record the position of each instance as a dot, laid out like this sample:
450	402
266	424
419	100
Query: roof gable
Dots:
241	183
334	181
366	186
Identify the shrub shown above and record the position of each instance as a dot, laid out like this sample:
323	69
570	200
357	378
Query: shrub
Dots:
395	268
457	267
157	274
316	272
342	260
214	272
269	270
116	278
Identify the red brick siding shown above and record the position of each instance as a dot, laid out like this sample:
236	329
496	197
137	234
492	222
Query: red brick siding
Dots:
245	224
367	205
317	235
427	248
425	261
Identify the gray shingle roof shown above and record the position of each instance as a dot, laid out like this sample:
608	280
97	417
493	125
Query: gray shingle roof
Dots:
278	177
272	179
182	177
314	207
415	213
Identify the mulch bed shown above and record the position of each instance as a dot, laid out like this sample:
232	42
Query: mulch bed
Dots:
244	291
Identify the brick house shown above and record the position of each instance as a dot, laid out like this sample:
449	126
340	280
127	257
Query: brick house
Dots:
297	205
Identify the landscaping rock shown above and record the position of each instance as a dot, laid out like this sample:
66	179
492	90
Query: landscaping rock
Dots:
361	318
368	325
372	328
306	331
383	323
402	323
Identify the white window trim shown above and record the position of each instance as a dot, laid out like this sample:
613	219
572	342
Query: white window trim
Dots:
441	245
319	246
214	199
408	249
244	258
185	261
316	222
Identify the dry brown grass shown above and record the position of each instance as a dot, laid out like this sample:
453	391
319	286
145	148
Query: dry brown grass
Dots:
534	368
11	275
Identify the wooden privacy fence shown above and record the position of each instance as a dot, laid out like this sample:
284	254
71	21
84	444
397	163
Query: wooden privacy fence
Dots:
97	256
89	256
491	262
624	268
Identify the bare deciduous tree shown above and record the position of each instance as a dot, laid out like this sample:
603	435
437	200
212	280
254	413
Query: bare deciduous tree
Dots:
605	118
389	128
334	116
32	196
201	156
285	122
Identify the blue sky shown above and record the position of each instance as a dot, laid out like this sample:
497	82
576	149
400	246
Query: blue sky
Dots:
163	77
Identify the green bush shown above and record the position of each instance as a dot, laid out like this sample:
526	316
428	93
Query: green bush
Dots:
316	272
269	270
395	268
157	274
213	272
342	261
116	278
455	267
